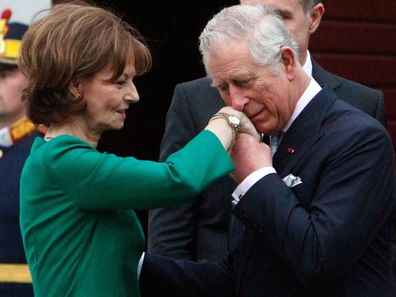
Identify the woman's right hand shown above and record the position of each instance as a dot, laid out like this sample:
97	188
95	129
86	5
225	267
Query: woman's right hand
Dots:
225	132
246	125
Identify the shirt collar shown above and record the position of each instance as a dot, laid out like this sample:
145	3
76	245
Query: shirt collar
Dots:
308	65
309	93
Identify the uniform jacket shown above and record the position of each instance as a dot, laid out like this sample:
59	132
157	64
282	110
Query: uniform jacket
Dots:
11	248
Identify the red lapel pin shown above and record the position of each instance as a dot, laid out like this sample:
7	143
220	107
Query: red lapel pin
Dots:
291	150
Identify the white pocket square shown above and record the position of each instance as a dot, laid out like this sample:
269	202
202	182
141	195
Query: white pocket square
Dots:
292	181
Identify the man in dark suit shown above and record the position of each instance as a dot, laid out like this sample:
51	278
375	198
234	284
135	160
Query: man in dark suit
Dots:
197	230
313	219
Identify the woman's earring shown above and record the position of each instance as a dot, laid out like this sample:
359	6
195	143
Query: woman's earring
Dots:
77	96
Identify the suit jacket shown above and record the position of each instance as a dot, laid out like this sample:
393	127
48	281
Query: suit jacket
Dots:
329	236
197	229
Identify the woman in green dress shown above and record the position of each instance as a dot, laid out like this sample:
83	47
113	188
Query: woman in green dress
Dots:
80	232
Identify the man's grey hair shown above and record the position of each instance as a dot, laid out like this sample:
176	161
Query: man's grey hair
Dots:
258	25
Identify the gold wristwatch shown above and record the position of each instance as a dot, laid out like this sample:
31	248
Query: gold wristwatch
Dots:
232	120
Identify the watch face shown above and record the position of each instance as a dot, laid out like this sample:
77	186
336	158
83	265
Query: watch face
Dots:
234	120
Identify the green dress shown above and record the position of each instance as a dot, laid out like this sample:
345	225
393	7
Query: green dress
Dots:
80	233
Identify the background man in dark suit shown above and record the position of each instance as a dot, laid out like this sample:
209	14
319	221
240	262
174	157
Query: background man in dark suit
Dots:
314	219
197	230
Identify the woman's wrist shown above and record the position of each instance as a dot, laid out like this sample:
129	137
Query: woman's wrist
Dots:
233	122
222	130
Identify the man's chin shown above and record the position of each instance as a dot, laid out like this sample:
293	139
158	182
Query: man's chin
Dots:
265	129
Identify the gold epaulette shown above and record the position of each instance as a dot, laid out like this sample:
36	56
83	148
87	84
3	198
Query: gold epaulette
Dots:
21	129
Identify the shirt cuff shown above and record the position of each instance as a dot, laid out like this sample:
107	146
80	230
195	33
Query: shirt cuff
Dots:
249	181
140	264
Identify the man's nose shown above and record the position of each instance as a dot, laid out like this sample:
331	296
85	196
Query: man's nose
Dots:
238	100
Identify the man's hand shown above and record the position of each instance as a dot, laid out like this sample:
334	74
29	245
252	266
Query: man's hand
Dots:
249	155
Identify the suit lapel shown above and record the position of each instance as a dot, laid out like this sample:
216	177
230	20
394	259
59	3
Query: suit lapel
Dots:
303	133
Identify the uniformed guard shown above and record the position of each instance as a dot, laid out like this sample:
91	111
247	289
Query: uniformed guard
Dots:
16	136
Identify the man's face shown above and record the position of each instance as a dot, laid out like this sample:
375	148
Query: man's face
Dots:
12	84
264	95
295	19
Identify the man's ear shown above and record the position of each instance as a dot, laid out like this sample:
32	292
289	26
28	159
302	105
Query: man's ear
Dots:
316	16
289	61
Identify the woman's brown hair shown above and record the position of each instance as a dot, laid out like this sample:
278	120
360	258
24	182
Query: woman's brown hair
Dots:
74	41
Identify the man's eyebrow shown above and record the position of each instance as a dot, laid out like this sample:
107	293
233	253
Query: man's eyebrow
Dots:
283	13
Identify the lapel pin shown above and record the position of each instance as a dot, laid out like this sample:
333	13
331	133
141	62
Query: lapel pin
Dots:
291	150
